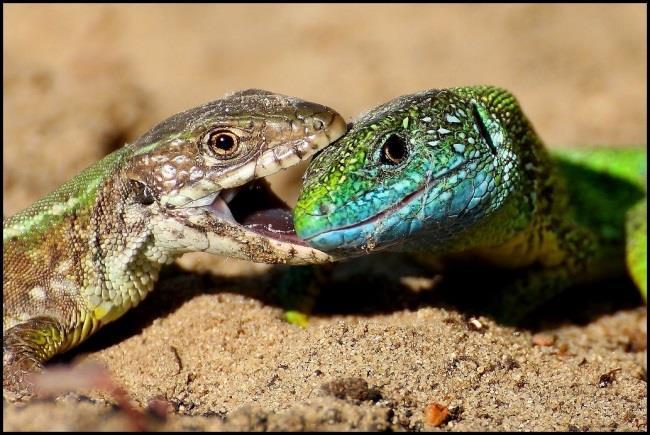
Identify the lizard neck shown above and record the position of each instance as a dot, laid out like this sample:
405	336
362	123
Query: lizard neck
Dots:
514	231
82	245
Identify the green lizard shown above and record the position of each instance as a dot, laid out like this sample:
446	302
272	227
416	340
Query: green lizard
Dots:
89	251
460	175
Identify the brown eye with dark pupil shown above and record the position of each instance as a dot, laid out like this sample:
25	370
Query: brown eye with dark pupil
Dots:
394	150
223	143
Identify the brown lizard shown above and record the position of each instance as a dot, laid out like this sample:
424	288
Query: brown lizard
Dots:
86	253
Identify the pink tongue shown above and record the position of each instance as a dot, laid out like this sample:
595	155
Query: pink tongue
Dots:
274	220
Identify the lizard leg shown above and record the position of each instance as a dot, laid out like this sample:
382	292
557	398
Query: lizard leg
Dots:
298	290
636	248
518	299
26	347
571	258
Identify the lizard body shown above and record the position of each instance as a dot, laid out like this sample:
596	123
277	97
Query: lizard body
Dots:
83	255
461	174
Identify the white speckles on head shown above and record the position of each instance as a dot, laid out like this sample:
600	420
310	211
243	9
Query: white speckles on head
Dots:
497	137
159	159
195	173
180	160
168	171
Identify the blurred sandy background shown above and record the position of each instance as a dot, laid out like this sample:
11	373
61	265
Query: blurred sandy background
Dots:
80	80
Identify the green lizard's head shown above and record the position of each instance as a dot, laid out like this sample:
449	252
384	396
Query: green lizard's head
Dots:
418	169
200	173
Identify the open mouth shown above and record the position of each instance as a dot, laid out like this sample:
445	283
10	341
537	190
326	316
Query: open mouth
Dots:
257	208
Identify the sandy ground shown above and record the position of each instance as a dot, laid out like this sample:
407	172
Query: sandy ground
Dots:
382	353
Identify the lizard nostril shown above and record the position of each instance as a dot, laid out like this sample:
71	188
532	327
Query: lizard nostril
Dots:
321	120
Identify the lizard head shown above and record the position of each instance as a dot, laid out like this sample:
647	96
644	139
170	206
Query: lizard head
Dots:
416	170
199	175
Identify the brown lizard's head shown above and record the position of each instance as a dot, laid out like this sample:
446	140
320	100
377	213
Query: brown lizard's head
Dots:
199	175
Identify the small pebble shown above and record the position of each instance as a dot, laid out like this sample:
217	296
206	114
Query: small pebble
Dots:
435	414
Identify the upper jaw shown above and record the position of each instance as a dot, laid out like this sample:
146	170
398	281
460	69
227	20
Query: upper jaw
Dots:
288	150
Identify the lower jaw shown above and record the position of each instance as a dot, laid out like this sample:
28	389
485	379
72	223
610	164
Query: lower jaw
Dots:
242	243
253	225
368	235
346	243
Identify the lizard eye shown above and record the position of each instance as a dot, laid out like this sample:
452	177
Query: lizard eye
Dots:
221	143
394	150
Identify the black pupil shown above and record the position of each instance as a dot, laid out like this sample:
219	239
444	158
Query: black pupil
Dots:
394	150
224	141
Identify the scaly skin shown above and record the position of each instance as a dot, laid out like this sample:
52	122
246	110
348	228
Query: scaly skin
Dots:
83	255
461	174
